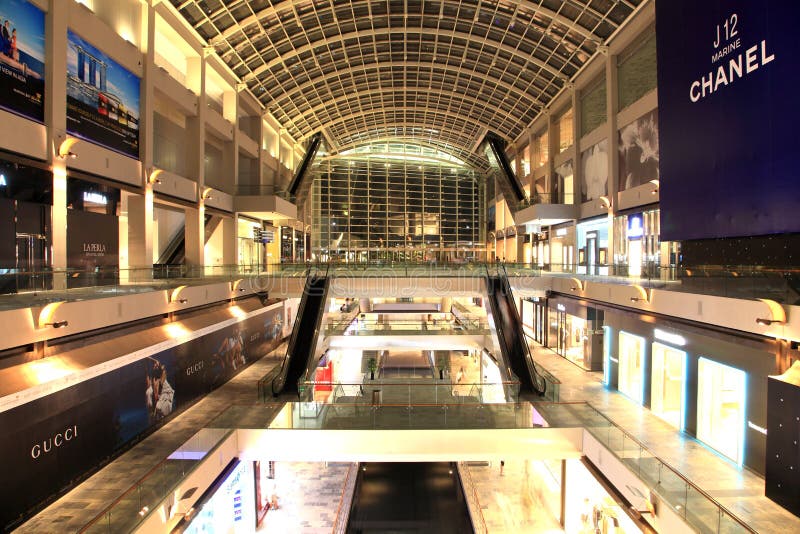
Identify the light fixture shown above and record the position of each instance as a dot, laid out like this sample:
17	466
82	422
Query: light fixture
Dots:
153	178
183	301
768	322
574	288
605	202
656	183
65	148
57	324
636	299
206	194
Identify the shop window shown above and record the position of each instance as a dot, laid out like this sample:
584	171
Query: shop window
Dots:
721	393
667	399
566	136
631	366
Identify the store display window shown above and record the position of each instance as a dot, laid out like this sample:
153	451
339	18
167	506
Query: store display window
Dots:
631	366
588	508
721	394
668	392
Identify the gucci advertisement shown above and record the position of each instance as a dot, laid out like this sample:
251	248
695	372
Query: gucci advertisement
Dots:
51	443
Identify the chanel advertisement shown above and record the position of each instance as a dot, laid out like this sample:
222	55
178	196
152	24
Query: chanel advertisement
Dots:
50	443
22	59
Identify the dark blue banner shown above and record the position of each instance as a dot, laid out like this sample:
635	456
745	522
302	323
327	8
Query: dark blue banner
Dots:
727	82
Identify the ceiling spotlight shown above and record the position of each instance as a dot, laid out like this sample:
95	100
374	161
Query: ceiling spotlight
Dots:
768	322
68	154
57	324
183	301
637	299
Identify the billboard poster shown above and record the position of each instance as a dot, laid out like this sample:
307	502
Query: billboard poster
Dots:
638	151
22	59
727	78
102	98
594	163
51	442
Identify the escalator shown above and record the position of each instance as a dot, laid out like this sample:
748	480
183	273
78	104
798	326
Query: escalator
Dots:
409	497
510	334
175	251
304	335
494	149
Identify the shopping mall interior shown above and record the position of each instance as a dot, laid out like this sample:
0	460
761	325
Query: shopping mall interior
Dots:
399	266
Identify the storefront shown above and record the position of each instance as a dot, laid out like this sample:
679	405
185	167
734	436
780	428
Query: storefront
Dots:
637	245
631	366
540	249
26	198
668	379
711	385
588	507
231	508
592	241
575	332
562	248
534	317
721	394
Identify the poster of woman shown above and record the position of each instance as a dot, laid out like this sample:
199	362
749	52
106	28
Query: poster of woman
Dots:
22	58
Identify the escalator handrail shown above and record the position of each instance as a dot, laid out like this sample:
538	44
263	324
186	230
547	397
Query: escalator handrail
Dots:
539	382
293	339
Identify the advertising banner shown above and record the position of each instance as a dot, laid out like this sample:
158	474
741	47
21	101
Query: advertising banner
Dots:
594	163
102	98
49	443
727	79
639	151
22	59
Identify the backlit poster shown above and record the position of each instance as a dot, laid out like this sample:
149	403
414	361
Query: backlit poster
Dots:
102	98
22	59
727	84
594	162
639	151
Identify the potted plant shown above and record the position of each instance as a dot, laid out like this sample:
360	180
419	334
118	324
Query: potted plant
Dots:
372	365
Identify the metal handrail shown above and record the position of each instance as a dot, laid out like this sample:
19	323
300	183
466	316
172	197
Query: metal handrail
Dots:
340	521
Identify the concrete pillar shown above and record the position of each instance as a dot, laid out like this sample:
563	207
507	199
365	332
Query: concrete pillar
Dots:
577	171
194	229
194	233
55	114
230	240
140	231
140	207
613	149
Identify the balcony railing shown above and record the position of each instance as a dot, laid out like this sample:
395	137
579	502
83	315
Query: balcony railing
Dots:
263	190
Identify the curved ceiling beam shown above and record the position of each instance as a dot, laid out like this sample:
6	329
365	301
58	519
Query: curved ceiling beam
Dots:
272	11
441	146
403	109
358	34
452	98
509	88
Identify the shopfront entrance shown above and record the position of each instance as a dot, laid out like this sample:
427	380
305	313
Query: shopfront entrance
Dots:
631	366
667	393
721	392
32	260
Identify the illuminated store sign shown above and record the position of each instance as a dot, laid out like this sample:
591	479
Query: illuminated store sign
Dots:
561	307
669	337
635	226
95	198
3	182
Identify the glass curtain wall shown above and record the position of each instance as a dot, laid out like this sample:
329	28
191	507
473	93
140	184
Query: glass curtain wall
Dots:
398	203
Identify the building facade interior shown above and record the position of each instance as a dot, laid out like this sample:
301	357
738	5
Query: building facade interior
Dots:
399	266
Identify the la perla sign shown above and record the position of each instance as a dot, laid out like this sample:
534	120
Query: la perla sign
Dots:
54	441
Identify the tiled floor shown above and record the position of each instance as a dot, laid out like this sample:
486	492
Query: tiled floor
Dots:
75	509
739	490
308	497
513	501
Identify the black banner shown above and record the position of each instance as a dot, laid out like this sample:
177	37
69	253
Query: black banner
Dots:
48	444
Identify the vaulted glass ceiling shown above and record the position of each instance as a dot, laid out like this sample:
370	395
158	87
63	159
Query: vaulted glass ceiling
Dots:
442	72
